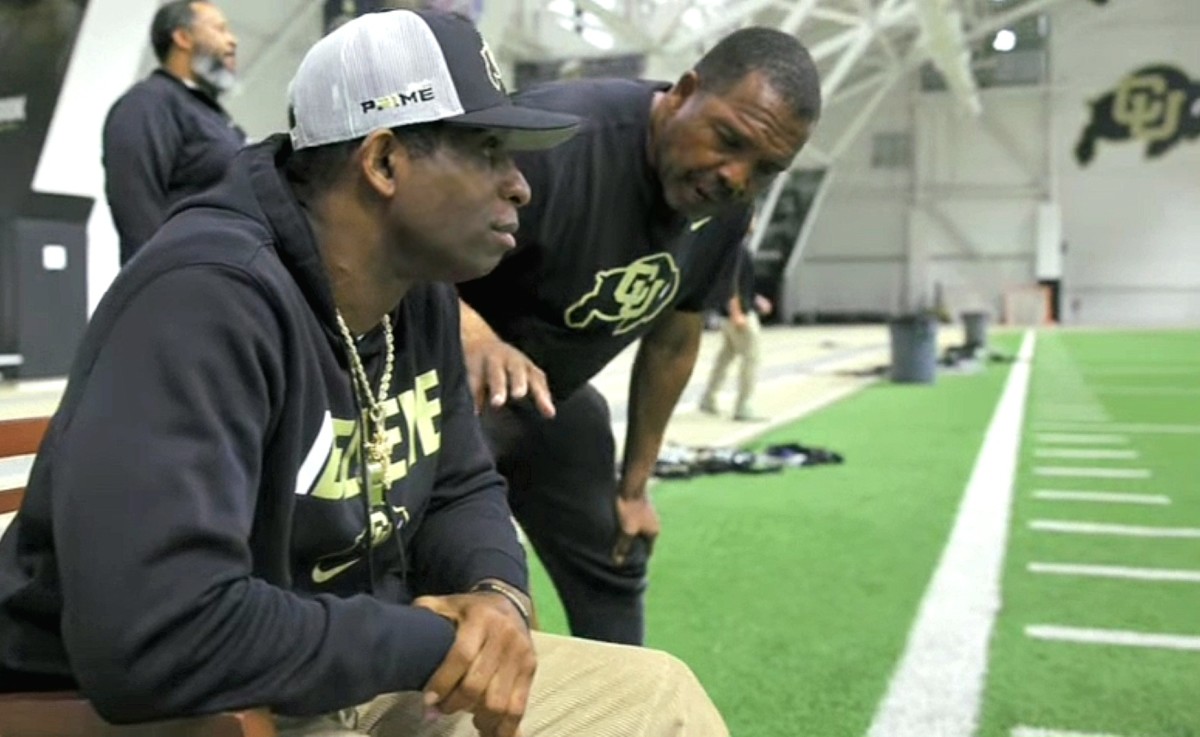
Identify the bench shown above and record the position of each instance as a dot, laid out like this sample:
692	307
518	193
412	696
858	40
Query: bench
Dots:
68	714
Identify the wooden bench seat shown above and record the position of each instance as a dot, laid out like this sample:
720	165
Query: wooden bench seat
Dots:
67	714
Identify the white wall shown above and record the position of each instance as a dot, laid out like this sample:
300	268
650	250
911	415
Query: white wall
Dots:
962	219
979	185
987	198
1132	224
109	52
259	102
854	259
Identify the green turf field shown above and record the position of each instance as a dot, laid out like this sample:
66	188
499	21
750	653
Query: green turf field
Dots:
792	595
1088	688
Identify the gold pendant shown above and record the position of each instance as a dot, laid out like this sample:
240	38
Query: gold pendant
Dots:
378	463
377	482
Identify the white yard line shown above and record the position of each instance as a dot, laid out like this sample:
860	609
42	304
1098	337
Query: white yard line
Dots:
1046	418
1124	638
1121	572
1148	370
1056	410
1149	391
938	685
1039	417
1039	732
1133	428
1091	472
1088	454
1096	528
1101	497
1086	438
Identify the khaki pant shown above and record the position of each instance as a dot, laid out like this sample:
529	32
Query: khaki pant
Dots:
582	689
738	342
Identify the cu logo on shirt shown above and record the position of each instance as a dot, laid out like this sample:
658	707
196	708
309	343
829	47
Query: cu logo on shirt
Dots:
627	296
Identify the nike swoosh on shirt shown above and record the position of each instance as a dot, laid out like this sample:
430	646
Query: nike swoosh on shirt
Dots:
321	575
700	223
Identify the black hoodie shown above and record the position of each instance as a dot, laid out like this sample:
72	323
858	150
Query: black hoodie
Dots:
193	535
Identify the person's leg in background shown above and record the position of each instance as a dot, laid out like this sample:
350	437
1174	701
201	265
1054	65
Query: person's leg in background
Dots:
750	351
581	688
562	487
708	401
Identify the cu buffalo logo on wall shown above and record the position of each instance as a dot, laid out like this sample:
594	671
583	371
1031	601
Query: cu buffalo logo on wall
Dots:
627	296
1157	105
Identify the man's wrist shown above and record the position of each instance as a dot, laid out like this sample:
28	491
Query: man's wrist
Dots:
474	327
632	495
634	479
519	599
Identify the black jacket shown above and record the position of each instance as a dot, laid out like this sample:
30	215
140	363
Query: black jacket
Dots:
163	141
193	535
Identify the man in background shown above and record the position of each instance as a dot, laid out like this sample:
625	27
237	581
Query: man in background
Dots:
740	330
168	136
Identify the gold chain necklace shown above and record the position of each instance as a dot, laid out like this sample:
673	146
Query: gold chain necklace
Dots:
378	457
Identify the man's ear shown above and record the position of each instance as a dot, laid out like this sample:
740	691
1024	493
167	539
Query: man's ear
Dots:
687	86
182	39
383	162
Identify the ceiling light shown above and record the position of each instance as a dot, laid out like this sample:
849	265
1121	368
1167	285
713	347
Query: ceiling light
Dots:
1005	40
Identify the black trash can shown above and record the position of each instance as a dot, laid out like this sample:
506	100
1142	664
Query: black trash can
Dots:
43	283
914	349
975	326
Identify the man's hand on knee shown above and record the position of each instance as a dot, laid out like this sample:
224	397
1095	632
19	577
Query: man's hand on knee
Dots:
637	518
489	670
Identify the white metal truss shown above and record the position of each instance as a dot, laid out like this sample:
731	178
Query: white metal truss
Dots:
863	47
860	45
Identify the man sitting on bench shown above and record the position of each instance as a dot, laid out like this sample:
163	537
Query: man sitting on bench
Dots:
266	485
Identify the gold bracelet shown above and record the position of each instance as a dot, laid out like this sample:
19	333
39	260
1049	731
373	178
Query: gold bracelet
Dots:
508	593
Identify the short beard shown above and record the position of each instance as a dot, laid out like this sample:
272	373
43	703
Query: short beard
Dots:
212	73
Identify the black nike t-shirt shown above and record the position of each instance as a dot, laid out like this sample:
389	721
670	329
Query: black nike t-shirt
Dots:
599	253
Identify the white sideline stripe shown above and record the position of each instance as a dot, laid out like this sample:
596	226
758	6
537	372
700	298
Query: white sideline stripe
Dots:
1091	454
753	430
1092	473
1038	732
1132	574
1107	497
1126	638
938	684
1097	528
1082	438
1135	428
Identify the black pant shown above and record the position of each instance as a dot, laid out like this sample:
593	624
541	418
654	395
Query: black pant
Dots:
563	480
